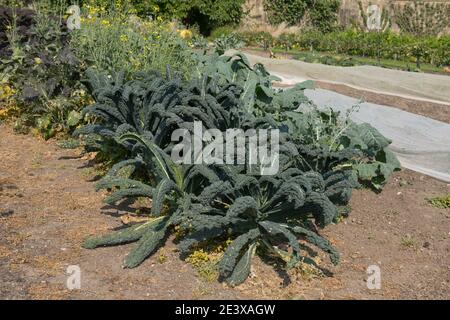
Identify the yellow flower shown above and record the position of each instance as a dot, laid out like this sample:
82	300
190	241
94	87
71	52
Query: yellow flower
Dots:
8	103
123	38
185	33
6	91
79	92
106	23
3	113
37	61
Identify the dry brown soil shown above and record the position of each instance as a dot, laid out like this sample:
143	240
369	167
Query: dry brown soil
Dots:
48	205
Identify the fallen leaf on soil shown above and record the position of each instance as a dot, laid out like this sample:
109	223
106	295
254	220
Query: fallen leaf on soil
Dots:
129	219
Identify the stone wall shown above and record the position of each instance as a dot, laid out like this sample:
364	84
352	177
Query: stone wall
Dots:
256	18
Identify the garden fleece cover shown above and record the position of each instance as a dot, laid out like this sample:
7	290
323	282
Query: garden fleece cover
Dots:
419	86
420	143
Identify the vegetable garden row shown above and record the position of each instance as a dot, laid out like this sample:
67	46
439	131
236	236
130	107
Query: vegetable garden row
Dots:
121	86
353	42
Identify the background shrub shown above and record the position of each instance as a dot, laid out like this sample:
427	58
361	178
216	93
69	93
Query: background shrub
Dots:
321	14
222	31
110	42
43	63
354	42
206	14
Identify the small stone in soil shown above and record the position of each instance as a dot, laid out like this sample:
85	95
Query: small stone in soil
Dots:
6	213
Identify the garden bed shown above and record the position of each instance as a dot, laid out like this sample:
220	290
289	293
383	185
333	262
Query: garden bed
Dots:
428	109
347	60
411	85
205	221
48	206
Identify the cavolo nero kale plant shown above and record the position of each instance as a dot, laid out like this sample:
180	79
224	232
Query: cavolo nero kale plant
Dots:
321	158
211	201
259	96
171	188
327	140
264	213
154	106
204	202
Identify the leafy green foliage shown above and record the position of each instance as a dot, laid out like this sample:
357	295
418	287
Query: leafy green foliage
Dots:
173	185
327	59
379	163
131	45
355	42
440	202
262	214
15	28
280	11
328	141
150	234
154	106
258	97
43	71
208	201
207	14
260	39
322	14
422	18
226	42
222	31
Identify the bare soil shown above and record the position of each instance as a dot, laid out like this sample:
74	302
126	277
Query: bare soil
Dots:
48	206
